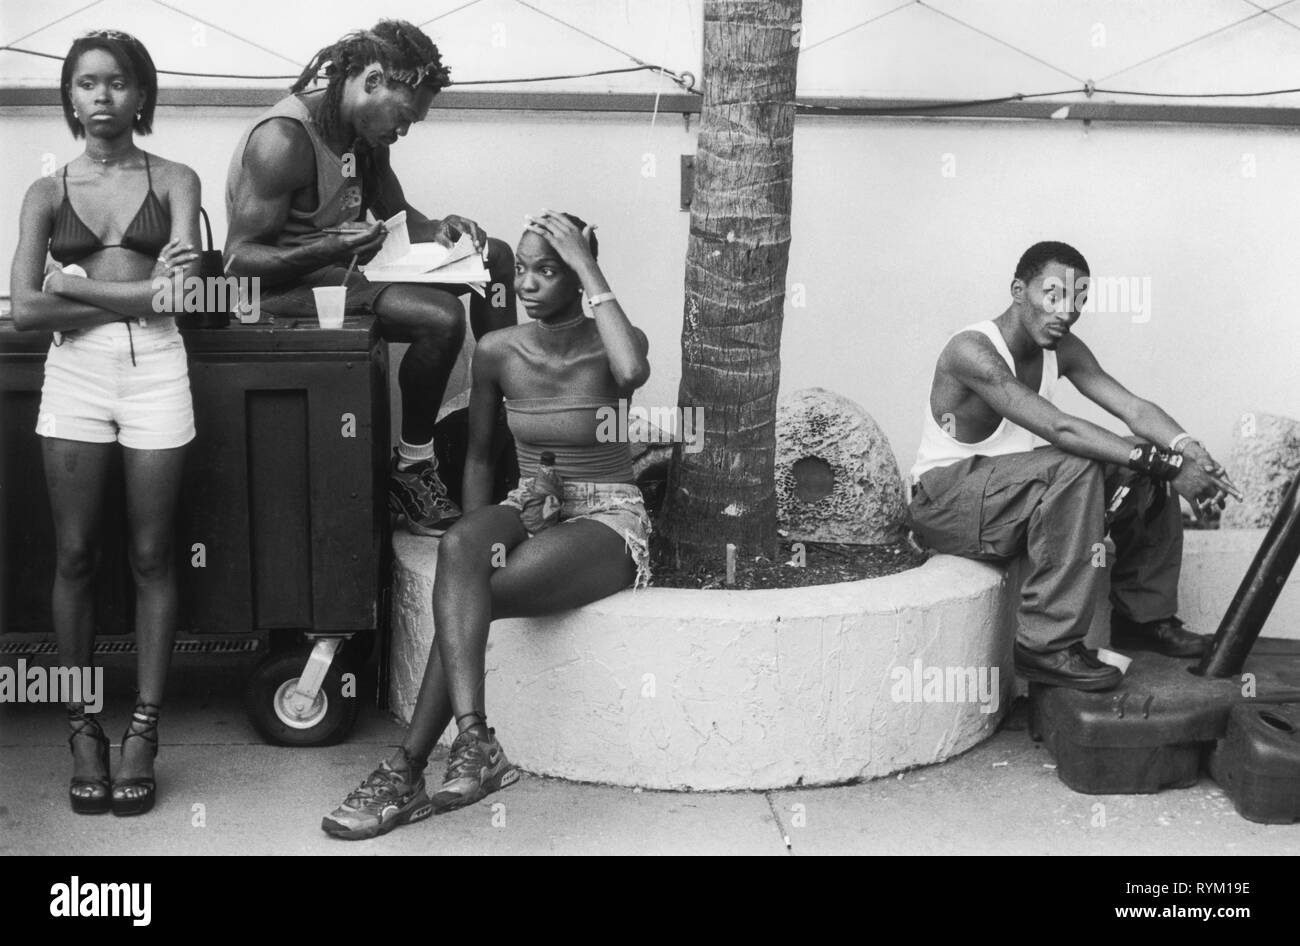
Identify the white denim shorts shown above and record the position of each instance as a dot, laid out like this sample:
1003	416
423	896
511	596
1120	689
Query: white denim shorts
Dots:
123	382
617	505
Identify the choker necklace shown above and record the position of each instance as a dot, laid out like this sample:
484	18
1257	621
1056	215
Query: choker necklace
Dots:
111	159
560	326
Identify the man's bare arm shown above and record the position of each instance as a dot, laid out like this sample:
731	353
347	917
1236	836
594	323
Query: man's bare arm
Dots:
1145	418
279	161
972	360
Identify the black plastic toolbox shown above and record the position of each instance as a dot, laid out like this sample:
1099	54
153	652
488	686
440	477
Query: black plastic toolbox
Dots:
1257	762
1154	730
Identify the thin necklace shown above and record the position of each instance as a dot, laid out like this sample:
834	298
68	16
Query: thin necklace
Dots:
112	158
560	326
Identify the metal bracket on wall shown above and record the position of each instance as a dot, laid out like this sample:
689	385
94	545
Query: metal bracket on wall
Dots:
688	180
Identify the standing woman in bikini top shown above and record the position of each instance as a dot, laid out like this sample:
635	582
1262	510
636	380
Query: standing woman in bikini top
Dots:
119	224
559	375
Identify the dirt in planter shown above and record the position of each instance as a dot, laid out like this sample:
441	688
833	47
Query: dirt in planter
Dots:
825	563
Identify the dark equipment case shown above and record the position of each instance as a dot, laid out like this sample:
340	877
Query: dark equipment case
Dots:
1257	762
1160	726
282	532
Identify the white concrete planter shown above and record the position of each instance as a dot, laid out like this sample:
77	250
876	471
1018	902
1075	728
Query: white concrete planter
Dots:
764	689
667	688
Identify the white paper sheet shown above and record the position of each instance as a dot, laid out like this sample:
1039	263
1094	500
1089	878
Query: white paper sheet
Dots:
400	260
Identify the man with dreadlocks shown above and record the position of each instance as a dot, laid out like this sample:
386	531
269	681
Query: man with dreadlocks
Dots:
318	159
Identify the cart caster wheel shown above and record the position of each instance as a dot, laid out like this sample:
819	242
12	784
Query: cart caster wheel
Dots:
269	701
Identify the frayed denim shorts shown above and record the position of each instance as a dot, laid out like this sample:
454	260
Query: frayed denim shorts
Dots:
122	382
617	505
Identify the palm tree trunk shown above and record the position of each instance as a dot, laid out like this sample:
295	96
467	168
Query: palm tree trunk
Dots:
736	261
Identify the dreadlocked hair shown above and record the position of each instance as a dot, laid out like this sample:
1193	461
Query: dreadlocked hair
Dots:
407	56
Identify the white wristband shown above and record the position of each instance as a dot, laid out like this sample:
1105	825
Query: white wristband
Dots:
1173	444
603	297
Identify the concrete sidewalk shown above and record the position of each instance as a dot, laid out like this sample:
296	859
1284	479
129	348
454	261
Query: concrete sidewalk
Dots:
222	791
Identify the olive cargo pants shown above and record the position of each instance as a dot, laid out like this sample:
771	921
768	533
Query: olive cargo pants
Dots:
1051	506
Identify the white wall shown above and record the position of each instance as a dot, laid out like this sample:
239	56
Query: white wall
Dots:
896	256
891	48
491	166
892	254
481	40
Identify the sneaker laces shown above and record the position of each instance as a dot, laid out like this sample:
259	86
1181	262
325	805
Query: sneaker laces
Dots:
425	473
419	494
467	753
428	475
383	784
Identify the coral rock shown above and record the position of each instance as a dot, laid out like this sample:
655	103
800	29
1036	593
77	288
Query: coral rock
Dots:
1265	458
836	476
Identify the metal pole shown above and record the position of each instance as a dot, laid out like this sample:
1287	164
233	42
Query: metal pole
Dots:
1257	592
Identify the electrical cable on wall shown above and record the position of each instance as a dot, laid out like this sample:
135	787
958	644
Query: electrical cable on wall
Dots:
684	79
1088	90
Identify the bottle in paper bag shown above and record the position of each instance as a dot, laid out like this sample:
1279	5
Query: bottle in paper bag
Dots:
545	496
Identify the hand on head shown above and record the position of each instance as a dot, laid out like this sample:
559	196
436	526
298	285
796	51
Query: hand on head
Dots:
573	246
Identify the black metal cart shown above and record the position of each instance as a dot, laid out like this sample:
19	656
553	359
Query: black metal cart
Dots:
282	532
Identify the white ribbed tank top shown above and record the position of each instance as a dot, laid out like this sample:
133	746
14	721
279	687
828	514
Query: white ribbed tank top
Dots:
939	449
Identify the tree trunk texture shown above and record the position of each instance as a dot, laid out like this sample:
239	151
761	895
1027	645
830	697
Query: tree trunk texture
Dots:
736	261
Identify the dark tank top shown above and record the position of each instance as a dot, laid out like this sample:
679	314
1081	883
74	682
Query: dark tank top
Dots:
569	427
338	195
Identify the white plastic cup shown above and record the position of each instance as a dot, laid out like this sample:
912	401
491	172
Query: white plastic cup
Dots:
330	301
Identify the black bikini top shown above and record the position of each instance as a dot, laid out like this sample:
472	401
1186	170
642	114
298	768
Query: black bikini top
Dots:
148	232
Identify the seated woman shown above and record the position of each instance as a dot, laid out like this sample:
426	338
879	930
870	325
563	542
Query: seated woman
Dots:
555	374
114	219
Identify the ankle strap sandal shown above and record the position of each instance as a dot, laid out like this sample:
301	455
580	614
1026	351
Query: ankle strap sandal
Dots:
143	725
88	794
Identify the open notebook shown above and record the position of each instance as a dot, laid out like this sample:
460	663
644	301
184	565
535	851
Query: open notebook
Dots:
400	260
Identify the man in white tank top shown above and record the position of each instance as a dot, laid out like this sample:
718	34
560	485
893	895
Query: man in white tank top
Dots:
1002	471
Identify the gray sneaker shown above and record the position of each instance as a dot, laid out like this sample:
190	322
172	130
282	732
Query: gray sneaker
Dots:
419	495
475	768
386	799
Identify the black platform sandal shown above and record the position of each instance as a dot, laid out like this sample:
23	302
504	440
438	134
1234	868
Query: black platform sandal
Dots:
143	725
88	794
